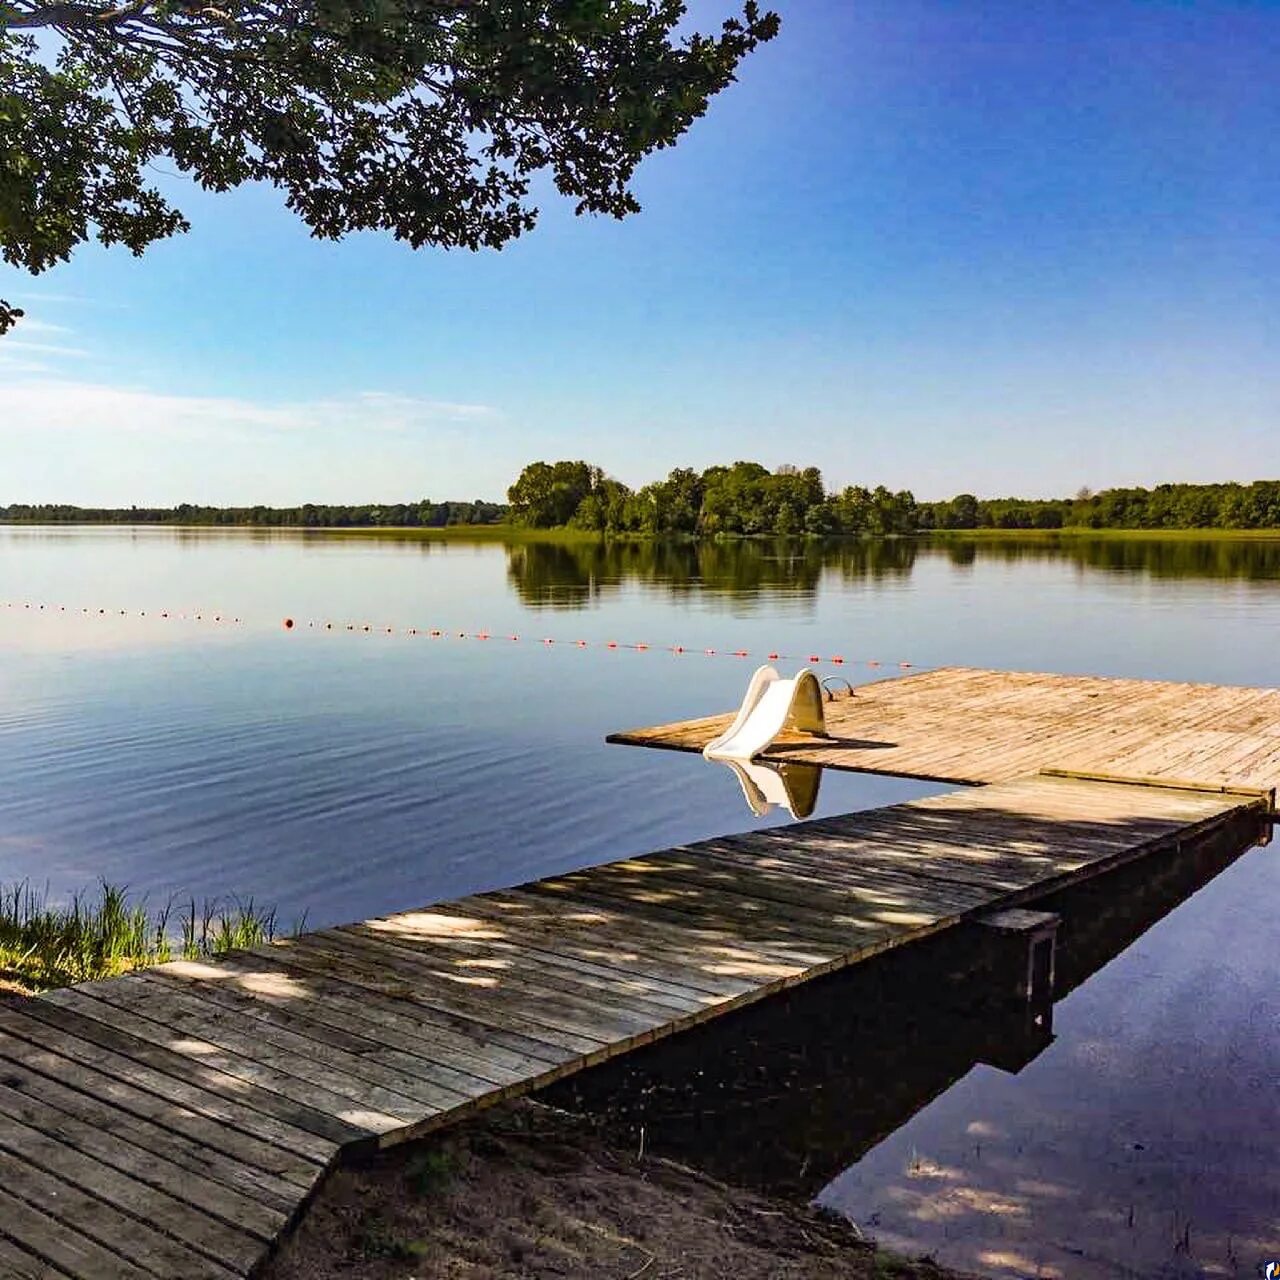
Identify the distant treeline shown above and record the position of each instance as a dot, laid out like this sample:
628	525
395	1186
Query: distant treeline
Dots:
424	514
744	499
1167	506
747	498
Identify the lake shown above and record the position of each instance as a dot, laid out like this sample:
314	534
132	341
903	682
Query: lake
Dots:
339	773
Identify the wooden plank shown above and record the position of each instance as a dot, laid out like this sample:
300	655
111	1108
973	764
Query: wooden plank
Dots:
77	1212
342	1007
56	1244
541	941
111	1147
319	965
325	1109
825	921
644	994
188	1235
521	970
17	1264
562	1006
876	878
362	1054
775	872
331	1072
242	1171
208	1092
771	949
347	955
594	932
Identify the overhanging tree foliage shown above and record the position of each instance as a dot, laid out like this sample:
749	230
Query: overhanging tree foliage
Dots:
424	118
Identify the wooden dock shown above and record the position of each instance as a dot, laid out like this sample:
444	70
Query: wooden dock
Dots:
173	1123
963	725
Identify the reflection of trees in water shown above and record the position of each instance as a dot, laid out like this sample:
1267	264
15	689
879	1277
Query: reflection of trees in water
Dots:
1254	559
571	575
875	558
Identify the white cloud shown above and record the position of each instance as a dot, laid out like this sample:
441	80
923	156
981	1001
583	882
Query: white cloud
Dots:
44	348
51	404
31	325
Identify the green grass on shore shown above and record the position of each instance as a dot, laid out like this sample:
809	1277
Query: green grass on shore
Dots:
1081	531
44	946
512	533
454	532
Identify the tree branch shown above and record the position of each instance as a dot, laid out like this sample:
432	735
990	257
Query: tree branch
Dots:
80	17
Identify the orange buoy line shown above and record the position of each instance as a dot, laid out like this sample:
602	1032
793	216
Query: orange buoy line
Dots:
637	646
444	633
202	616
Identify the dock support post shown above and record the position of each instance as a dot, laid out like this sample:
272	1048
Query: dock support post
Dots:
1026	940
1020	947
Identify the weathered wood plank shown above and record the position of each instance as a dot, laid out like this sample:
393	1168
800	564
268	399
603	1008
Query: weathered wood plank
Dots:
255	1064
56	1243
343	1006
87	1204
47	1025
193	1185
213	1150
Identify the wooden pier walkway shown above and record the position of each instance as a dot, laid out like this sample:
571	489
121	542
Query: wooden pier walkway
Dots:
958	724
172	1123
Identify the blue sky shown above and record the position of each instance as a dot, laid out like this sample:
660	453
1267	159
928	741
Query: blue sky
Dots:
996	247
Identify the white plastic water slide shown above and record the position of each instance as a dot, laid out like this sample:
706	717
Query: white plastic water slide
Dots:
772	704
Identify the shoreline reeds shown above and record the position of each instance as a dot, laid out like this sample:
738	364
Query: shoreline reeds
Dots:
46	944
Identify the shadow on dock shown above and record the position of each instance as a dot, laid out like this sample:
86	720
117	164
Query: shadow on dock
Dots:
784	1095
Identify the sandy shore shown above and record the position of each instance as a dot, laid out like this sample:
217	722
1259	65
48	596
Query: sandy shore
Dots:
526	1191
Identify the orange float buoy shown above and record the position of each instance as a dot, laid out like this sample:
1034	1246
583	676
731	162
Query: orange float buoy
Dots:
288	624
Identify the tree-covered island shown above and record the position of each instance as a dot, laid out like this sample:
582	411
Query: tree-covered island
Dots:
748	499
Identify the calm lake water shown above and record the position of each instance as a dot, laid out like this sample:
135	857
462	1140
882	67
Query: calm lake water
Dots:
348	773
